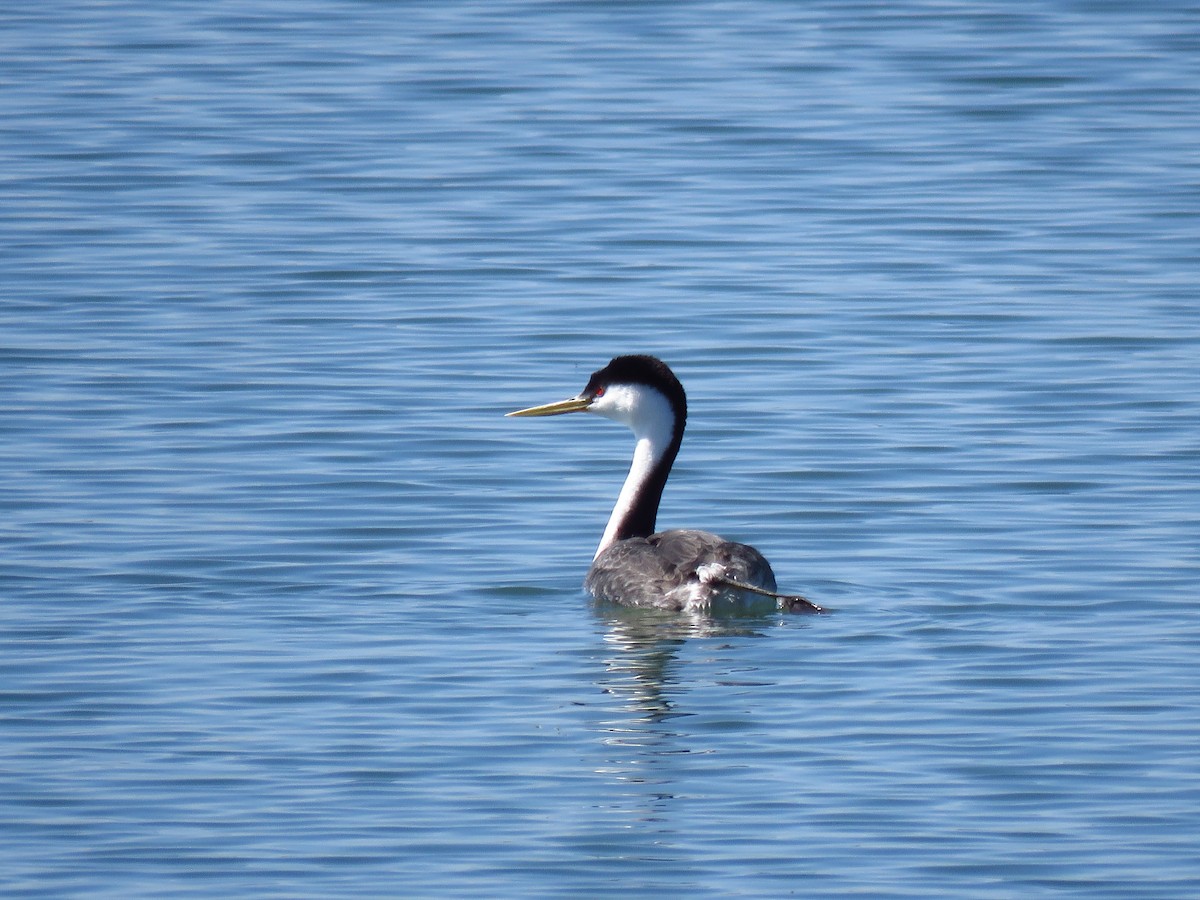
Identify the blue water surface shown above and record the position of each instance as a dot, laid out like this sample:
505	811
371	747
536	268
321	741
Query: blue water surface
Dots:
288	608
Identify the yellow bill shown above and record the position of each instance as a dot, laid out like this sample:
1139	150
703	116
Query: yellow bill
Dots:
575	404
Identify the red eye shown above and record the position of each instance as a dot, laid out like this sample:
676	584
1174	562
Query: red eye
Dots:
599	392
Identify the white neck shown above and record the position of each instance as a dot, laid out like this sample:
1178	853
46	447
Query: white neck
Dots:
645	455
649	414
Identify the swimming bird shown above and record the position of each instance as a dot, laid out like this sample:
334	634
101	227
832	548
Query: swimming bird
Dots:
680	569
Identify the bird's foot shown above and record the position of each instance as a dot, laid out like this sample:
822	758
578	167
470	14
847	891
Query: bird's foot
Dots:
796	603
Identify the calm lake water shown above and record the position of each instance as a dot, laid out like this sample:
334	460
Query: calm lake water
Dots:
288	608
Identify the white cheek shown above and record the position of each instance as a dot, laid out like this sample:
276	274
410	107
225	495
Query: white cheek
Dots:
617	403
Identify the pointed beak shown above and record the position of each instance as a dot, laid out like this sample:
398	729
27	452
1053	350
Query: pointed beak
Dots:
575	404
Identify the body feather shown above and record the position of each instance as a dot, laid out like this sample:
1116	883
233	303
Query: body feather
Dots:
677	569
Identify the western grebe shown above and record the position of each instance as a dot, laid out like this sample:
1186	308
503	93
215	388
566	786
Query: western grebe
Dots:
679	569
